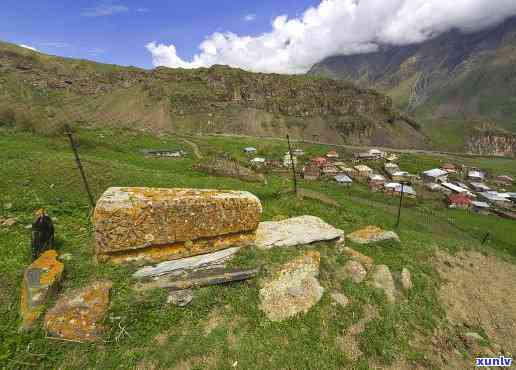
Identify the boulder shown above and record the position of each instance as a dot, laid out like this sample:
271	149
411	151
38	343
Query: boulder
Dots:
340	299
406	280
78	315
381	278
372	234
353	270
295	231
180	298
39	281
366	261
155	225
293	289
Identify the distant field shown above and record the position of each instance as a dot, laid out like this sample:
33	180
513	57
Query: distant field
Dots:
40	171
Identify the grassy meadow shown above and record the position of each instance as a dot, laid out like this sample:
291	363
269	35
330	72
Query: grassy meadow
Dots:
223	328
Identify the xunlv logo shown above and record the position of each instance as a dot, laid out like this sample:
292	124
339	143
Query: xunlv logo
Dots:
494	361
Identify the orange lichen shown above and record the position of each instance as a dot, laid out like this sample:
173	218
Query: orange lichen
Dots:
33	297
77	316
178	250
367	232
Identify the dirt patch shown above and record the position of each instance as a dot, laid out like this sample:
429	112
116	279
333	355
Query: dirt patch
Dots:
215	318
478	292
349	343
162	338
203	362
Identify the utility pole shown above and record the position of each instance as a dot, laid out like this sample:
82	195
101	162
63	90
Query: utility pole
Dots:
292	165
79	164
399	208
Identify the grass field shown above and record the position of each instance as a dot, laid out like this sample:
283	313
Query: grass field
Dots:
223	327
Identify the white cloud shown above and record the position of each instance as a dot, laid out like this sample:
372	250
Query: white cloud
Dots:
143	10
59	45
337	27
103	10
250	17
28	47
97	51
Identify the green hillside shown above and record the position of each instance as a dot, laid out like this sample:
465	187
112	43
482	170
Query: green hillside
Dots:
223	326
40	92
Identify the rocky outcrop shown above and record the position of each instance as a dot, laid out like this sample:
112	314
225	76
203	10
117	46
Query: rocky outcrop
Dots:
293	289
148	224
354	271
372	234
491	141
295	231
40	279
78	315
381	278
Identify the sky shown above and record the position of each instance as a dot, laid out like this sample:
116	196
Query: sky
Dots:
284	36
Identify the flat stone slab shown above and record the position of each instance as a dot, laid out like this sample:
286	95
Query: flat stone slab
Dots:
292	290
39	281
151	224
295	231
78	315
215	259
372	234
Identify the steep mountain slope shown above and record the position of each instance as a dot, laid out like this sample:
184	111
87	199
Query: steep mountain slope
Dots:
42	92
456	78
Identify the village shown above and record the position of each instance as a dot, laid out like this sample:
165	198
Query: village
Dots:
457	185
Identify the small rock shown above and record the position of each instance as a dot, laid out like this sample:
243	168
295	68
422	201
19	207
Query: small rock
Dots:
8	222
355	271
474	336
295	231
39	281
340	299
180	297
66	257
372	234
357	256
381	278
8	206
406	280
293	289
78	315
52	186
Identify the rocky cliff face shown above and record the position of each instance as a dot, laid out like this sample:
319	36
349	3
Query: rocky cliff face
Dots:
492	142
41	91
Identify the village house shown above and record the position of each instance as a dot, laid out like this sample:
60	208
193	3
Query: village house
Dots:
340	165
394	188
457	189
298	152
363	170
329	170
311	173
449	167
435	175
343	180
479	186
372	154
258	161
504	180
480	207
459	201
332	154
401	176
250	150
376	181
289	160
496	198
391	168
319	161
477	176
273	163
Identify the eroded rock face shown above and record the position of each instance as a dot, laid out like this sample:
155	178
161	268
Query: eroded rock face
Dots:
153	225
77	316
354	271
295	231
293	289
372	234
39	281
359	257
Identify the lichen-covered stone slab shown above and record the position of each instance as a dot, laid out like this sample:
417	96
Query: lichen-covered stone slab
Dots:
39	281
78	315
292	290
295	231
186	221
372	234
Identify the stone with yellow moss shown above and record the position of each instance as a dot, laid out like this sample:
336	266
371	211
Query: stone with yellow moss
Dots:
39	281
78	315
372	234
154	225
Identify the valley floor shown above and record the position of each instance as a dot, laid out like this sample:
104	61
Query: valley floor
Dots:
462	288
